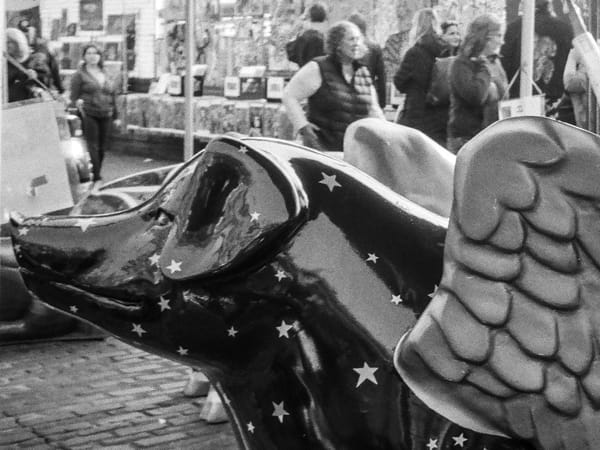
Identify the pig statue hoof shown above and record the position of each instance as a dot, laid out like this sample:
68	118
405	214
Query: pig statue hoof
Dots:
197	385
213	411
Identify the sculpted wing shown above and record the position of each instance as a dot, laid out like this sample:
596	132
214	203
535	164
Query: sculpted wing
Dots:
510	343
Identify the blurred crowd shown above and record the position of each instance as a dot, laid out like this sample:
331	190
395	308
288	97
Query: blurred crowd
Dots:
453	82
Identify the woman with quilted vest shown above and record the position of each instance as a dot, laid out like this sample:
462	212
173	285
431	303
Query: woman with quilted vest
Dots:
339	90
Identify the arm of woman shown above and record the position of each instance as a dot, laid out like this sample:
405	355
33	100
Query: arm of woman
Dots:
406	72
574	79
375	110
75	88
305	83
470	81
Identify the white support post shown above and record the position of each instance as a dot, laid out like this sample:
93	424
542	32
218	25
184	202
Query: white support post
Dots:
190	44
527	39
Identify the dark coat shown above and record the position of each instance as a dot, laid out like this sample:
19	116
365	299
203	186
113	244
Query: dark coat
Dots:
309	45
338	103
19	84
98	100
548	73
472	107
374	62
413	79
46	66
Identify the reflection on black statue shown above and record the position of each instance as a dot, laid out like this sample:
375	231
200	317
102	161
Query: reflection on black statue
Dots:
288	277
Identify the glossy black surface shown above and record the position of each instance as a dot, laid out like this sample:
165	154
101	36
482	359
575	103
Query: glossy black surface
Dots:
286	275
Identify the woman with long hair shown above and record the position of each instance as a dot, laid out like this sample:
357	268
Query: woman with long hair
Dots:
94	96
477	81
338	87
414	78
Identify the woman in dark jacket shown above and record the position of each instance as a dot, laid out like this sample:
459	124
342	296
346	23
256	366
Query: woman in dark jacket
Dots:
477	81
414	78
94	95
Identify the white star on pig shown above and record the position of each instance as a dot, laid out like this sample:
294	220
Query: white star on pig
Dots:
280	275
372	258
365	373
284	329
432	444
255	215
329	181
279	411
84	224
73	309
137	328
460	440
164	303
154	259
182	351
23	231
250	426
396	299
174	266
243	149
231	332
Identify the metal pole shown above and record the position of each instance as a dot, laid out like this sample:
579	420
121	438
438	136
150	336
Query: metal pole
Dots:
4	65
527	37
188	142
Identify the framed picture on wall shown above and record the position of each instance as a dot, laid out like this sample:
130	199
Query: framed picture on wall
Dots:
112	51
118	23
90	15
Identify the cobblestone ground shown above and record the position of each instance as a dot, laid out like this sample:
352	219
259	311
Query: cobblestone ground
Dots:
99	394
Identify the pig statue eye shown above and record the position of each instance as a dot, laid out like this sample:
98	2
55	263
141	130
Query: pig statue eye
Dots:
162	218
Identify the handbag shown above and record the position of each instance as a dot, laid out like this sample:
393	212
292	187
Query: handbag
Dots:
532	105
439	89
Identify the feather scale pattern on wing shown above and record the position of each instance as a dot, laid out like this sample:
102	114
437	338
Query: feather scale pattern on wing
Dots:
510	344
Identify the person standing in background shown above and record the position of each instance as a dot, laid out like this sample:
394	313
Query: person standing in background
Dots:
310	43
552	44
576	81
373	59
94	96
477	81
451	35
339	90
20	79
414	78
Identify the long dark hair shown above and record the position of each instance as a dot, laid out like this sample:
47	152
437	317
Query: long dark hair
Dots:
95	47
478	33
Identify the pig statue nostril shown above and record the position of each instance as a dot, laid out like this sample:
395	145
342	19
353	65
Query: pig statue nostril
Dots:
16	218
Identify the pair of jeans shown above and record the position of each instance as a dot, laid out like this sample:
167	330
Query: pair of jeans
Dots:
96	131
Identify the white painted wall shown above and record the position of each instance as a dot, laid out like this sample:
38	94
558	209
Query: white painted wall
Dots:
145	26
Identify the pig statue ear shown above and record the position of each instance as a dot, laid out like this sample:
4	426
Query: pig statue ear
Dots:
239	207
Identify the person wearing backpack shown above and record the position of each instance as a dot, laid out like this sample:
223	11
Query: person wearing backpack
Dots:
414	77
310	43
477	81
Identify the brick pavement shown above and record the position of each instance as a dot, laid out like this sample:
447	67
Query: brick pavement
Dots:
99	394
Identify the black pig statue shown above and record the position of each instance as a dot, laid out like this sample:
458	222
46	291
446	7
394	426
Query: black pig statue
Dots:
288	277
